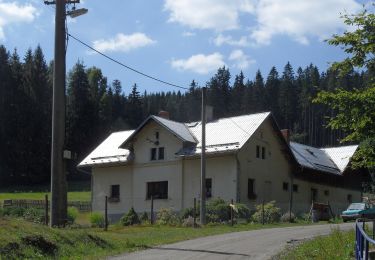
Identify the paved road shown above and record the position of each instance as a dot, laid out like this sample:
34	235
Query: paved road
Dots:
257	244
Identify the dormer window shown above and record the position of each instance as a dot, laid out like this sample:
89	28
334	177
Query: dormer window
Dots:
161	153
157	153
153	154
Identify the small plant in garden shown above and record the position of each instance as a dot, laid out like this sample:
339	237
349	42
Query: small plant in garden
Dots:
166	216
286	217
34	215
144	218
72	215
97	219
272	213
130	218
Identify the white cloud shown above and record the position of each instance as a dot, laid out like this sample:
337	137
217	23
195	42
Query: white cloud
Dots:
188	34
200	63
12	13
240	59
123	43
227	39
219	15
300	20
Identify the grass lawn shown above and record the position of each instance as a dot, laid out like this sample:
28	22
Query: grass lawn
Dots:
21	239
339	245
72	195
77	191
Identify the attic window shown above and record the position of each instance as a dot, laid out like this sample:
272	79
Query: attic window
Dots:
157	135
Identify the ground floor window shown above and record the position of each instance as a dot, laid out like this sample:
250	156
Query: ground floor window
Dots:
115	193
285	186
208	188
157	190
251	189
295	188
350	198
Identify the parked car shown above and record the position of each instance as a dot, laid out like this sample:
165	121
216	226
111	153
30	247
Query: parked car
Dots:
354	211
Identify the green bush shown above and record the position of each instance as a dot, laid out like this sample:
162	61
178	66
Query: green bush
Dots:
72	214
144	217
217	210
188	212
242	211
14	211
166	216
286	218
130	218
34	215
272	213
97	219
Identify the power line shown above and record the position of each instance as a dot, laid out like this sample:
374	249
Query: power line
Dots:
122	64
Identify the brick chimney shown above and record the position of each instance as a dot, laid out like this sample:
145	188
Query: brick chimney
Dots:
286	134
163	114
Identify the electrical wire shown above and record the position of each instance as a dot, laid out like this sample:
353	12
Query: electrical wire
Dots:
123	65
118	62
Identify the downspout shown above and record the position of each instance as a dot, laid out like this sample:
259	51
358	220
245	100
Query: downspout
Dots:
238	175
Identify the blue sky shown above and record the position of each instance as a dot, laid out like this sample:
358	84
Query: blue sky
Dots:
182	40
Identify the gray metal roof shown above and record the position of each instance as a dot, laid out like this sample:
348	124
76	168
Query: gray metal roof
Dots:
179	129
333	160
108	152
226	134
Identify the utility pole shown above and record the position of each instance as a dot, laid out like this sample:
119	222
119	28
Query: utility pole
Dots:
203	161
58	176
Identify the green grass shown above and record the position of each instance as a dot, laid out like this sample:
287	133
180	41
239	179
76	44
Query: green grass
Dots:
20	239
338	245
77	191
72	195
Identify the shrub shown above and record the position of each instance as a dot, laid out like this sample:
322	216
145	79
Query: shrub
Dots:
72	214
130	218
144	217
271	213
188	222
286	218
242	211
188	212
34	215
217	210
97	219
14	211
166	216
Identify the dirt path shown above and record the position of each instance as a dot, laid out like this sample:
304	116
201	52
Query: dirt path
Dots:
257	244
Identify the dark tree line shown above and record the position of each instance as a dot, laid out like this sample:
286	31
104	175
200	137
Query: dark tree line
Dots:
96	107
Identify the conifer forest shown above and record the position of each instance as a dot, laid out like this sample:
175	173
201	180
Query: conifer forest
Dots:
97	106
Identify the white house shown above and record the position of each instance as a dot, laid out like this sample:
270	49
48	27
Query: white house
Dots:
248	160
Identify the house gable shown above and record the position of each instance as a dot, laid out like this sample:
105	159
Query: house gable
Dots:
155	144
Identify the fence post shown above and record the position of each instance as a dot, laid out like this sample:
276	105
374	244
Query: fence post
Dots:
262	212
231	212
194	213
152	210
46	210
106	214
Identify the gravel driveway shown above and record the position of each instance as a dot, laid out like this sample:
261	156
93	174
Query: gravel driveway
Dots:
257	244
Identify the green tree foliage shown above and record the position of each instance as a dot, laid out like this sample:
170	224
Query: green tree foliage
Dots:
355	108
95	108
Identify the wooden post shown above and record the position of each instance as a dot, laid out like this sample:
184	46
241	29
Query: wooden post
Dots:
195	213
152	210
231	212
262	212
106	214
46	210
